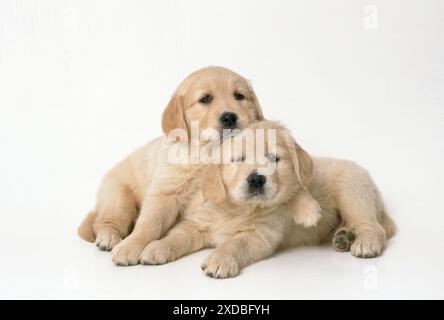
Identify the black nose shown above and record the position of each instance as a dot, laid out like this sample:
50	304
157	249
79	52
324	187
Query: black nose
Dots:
256	181
228	120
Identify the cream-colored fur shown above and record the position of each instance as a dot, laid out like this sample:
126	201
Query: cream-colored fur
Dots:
140	198
247	229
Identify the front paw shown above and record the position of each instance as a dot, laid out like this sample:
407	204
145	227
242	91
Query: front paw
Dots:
127	253
107	239
367	246
157	252
306	211
219	265
309	218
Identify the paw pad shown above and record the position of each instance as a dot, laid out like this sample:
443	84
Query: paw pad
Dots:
343	239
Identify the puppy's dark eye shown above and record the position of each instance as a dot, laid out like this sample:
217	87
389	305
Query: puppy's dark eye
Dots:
239	96
206	99
273	158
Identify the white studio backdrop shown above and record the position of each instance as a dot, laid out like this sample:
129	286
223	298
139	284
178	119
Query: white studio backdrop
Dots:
82	83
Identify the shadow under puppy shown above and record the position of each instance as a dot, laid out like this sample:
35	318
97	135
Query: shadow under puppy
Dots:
247	212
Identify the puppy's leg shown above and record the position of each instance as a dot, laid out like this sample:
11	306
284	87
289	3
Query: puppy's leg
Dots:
245	248
183	239
360	208
116	212
86	228
363	234
157	216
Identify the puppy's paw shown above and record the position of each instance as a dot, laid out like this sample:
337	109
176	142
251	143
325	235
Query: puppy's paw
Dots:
308	218
367	245
343	240
157	252
107	239
306	211
219	265
127	253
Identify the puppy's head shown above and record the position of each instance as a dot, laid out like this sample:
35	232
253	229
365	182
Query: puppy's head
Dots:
270	178
216	98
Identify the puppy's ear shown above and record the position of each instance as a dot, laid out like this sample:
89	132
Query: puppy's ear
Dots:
212	185
174	115
259	113
303	165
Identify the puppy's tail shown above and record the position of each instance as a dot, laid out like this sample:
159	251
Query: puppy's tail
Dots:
86	229
388	224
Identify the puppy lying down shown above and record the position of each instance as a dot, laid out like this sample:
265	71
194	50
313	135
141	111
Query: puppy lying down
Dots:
247	211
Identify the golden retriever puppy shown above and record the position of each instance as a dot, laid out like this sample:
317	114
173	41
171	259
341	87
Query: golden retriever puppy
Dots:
246	211
140	198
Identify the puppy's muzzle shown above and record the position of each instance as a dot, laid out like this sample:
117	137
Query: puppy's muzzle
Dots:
256	183
228	120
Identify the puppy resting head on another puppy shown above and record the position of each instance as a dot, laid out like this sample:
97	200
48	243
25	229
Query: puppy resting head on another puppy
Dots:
267	169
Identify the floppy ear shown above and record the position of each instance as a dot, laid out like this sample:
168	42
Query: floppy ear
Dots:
212	185
304	168
305	210
303	165
174	115
259	114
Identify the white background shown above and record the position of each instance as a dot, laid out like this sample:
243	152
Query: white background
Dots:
82	83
